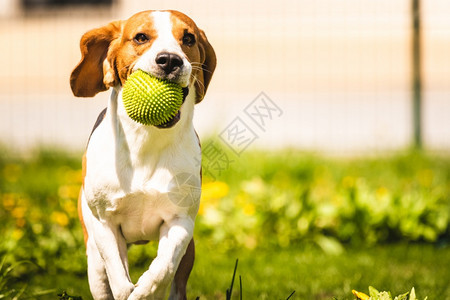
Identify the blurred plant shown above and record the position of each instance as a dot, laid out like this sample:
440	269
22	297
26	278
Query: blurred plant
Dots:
6	292
374	294
283	198
38	213
9	289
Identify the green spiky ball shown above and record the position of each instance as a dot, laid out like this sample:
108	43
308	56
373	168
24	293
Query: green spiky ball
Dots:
149	100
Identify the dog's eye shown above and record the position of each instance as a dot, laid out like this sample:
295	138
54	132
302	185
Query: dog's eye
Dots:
141	38
188	39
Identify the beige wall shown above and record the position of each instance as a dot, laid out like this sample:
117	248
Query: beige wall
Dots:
317	57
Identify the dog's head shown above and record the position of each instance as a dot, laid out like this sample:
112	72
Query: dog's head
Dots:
166	44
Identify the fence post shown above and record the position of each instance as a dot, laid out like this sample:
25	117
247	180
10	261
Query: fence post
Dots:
416	74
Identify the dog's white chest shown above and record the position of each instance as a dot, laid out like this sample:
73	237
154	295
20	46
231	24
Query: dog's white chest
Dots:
139	192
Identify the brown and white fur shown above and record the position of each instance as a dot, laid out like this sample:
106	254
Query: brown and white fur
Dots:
128	194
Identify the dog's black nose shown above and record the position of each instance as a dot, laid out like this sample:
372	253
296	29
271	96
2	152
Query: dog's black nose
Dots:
169	62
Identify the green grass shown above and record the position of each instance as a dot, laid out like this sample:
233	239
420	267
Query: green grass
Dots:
296	221
275	273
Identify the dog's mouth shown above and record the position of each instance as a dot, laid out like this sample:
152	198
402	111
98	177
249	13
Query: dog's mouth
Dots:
177	116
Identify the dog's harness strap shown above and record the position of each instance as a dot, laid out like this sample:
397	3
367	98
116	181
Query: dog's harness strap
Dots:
100	118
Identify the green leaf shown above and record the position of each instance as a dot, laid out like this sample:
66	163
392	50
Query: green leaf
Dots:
329	245
412	295
44	292
402	296
373	293
19	294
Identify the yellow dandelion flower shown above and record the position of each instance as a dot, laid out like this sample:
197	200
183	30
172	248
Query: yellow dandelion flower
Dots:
75	176
19	212
348	181
241	199
214	190
20	223
337	200
249	209
201	209
59	218
382	192
360	296
9	201
17	234
37	228
70	208
69	191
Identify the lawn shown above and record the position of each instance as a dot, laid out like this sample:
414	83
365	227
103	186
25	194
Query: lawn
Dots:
276	273
296	221
312	274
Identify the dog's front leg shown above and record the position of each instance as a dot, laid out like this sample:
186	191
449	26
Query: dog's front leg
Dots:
113	250
175	236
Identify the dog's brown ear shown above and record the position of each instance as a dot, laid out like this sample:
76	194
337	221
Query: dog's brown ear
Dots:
95	72
209	61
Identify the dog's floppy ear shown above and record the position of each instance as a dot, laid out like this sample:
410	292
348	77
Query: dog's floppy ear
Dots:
95	72
208	57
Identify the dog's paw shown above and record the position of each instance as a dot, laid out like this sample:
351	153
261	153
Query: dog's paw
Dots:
147	292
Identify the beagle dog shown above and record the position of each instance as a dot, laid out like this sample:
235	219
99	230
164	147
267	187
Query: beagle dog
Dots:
142	183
